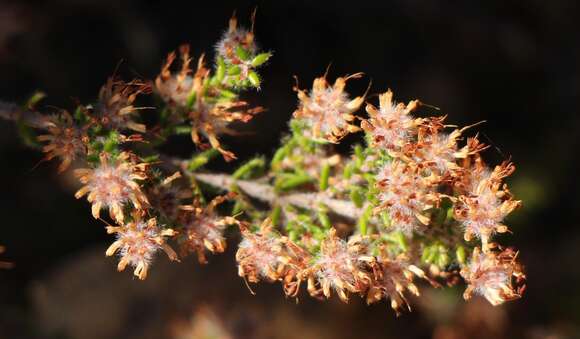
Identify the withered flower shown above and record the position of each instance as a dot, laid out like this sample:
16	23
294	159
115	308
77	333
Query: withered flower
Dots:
112	185
339	266
497	277
405	194
116	109
486	203
203	228
261	254
327	110
137	243
209	116
391	126
391	279
439	151
65	139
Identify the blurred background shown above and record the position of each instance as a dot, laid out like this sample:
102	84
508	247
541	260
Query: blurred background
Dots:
514	64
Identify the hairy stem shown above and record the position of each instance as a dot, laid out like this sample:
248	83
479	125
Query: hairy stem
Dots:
266	193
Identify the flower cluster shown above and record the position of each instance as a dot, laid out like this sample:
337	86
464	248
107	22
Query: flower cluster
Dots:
415	200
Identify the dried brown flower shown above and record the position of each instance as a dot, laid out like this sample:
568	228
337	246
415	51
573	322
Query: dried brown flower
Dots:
391	126
339	266
486	202
327	110
112	185
137	242
64	139
204	229
116	109
405	194
261	254
497	277
391	279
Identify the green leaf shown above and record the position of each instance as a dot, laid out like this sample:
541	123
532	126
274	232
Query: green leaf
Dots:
201	159
324	175
357	196
287	182
250	168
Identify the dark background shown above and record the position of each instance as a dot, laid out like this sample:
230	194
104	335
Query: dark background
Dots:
514	64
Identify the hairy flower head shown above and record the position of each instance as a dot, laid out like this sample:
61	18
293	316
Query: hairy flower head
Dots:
405	194
486	203
392	278
391	126
116	109
438	151
261	254
112	184
495	276
339	266
137	243
203	228
65	140
327	110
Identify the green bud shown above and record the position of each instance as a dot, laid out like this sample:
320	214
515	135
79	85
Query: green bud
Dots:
254	79
261	59
242	53
234	70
